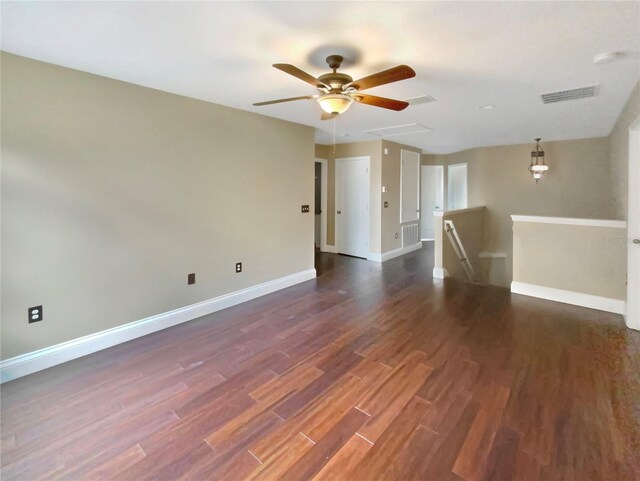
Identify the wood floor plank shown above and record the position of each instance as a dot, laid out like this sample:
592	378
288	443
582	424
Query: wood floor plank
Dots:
394	438
326	447
410	460
503	456
344	460
474	453
114	466
387	402
278	462
314	421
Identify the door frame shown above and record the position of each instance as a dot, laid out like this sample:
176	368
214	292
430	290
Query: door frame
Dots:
335	190
428	216
324	172
632	311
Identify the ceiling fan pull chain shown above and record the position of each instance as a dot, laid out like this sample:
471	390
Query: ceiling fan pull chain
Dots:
335	117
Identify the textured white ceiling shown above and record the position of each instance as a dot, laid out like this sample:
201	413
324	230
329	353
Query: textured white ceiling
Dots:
466	54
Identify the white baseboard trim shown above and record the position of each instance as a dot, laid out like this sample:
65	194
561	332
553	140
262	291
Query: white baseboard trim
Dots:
385	256
440	273
608	304
329	248
51	356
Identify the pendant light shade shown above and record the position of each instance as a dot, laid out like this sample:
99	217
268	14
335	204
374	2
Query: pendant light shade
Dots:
537	167
335	103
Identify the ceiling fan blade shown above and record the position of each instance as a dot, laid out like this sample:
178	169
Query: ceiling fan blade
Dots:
401	72
302	75
279	101
383	102
326	116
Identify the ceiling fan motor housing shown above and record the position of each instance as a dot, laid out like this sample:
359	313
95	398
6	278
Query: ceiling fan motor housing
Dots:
335	80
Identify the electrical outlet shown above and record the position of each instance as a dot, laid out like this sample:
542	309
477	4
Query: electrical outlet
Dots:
238	267
35	314
191	278
305	209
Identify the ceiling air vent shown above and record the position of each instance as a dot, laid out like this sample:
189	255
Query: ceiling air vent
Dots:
573	94
423	99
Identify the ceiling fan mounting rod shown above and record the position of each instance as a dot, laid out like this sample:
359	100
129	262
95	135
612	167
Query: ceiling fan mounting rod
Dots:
334	62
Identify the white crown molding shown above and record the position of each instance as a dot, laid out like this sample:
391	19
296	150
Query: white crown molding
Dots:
608	304
385	256
51	356
620	224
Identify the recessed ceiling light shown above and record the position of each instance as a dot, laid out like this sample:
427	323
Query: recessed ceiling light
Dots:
487	107
606	57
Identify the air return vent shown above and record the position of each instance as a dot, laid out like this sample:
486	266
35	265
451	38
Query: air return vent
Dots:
398	130
573	94
423	99
410	235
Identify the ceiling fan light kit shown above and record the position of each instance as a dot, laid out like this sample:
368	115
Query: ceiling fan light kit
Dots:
338	90
335	103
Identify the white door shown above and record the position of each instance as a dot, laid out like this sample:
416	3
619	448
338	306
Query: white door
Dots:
633	229
431	198
352	206
457	186
409	186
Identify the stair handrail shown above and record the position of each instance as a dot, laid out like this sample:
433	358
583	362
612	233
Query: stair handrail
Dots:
460	251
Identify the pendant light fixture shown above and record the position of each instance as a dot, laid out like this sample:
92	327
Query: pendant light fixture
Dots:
537	167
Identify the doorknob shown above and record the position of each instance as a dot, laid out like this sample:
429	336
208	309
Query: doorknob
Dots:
636	241
339	212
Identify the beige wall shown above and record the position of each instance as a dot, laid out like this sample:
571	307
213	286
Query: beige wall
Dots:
391	226
577	185
619	153
585	259
112	193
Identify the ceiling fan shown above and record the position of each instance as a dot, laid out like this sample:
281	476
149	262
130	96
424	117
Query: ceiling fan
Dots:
339	90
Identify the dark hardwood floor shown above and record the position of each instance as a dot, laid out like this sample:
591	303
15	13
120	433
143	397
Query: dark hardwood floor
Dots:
370	372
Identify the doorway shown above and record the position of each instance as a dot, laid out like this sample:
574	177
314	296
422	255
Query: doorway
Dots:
457	187
320	207
431	198
352	206
632	316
